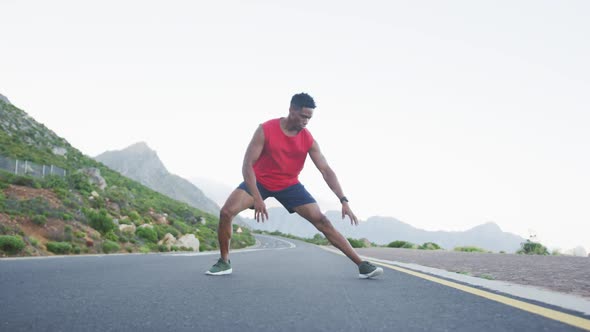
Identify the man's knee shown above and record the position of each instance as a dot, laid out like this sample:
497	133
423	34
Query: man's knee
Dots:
323	224
226	215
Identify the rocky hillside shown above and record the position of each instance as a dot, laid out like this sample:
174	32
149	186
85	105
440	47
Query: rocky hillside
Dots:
142	164
92	209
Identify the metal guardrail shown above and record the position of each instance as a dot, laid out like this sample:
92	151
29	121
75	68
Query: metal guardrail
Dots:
24	167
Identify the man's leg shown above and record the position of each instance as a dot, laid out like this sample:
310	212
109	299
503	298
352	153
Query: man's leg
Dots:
238	201
312	213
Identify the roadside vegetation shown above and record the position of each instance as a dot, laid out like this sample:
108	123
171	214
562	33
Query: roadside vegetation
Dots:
69	216
92	209
528	247
410	245
469	249
533	248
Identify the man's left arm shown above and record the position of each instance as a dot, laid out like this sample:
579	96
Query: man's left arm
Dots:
332	180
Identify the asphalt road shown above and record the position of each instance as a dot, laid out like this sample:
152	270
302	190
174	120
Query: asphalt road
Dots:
274	288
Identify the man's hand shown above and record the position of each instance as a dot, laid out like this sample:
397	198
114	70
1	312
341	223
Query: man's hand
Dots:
346	211
260	213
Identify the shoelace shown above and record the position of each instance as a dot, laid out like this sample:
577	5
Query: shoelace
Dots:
370	266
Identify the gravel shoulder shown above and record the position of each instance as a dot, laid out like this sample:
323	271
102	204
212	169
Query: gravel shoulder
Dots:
565	274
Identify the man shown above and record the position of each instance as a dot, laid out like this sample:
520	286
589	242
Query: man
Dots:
274	158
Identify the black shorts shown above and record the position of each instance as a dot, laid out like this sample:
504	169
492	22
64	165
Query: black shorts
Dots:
290	197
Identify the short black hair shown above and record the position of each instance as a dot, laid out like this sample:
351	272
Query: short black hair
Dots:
301	100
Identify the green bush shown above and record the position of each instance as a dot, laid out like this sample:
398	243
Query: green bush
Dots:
100	220
123	238
152	246
111	236
11	244
68	233
162	230
39	219
110	246
98	203
60	193
134	216
356	243
401	244
319	239
469	249
26	181
125	221
183	227
54	182
429	246
532	248
147	234
242	240
34	242
80	181
59	247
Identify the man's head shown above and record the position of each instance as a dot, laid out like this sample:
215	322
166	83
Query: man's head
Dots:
300	111
302	100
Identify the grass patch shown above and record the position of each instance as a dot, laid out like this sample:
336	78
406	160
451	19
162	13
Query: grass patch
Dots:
60	248
109	246
469	249
487	276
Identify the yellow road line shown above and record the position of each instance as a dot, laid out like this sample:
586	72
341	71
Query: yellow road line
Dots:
535	309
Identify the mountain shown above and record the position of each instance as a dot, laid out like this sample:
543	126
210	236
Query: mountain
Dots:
142	164
55	199
4	99
384	230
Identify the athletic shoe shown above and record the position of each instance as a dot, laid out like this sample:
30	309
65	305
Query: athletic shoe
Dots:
368	270
220	268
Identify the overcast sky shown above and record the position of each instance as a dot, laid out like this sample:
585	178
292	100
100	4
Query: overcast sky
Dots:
444	115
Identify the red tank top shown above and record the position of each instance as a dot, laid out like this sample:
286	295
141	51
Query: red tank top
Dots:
282	157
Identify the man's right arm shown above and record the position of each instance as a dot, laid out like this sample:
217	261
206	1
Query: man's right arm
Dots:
252	154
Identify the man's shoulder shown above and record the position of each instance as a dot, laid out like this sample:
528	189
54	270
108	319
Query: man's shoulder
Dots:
271	124
271	121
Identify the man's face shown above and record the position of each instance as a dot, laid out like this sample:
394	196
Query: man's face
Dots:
302	117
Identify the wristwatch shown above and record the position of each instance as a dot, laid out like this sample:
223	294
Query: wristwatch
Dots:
343	199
